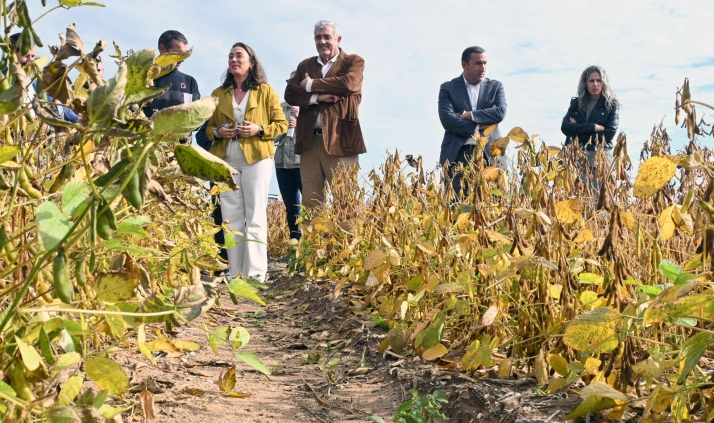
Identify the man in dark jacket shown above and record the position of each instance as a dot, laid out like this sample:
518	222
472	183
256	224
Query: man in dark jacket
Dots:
468	104
183	88
328	90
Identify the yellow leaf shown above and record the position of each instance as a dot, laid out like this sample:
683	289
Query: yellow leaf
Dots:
426	248
446	288
30	358
585	235
558	363
236	394
495	236
628	219
594	331
592	365
555	290
438	350
553	151
591	405
654	173
107	374
602	389
489	130
504	368
666	223
541	370
518	135
374	259
186	345
569	211
462	221
227	379
498	147
161	344
491	173
683	221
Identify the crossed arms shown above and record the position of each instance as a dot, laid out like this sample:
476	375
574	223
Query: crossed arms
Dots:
457	123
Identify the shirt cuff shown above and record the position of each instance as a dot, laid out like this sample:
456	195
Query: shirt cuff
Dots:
313	99
308	87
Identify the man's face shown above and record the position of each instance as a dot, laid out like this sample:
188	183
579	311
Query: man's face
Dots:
28	58
100	69
327	44
176	47
475	68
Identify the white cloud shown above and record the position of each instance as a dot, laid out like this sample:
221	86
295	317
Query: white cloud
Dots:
537	49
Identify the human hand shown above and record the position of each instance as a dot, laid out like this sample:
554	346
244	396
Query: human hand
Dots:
467	115
599	128
572	120
328	98
303	83
249	129
295	111
227	132
292	123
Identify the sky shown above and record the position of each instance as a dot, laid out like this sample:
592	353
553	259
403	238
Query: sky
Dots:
536	49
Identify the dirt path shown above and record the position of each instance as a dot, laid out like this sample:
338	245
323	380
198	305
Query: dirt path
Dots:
291	337
302	328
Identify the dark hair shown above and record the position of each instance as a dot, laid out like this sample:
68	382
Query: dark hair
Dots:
15	40
256	75
167	38
466	55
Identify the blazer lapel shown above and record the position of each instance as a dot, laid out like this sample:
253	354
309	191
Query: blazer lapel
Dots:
225	105
483	94
460	84
337	65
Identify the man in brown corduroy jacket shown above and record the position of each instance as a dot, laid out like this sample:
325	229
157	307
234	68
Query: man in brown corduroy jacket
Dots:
328	90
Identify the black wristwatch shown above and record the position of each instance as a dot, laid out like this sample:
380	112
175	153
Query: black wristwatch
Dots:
261	132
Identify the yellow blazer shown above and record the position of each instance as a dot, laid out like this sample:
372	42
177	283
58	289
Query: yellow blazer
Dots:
263	109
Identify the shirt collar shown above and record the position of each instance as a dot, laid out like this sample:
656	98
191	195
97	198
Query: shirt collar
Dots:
470	85
319	59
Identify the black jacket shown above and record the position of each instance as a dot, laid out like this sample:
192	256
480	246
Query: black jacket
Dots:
584	130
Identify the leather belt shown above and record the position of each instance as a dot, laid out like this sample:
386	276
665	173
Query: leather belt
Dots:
317	131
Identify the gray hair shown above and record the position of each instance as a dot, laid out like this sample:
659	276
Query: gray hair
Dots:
328	24
611	101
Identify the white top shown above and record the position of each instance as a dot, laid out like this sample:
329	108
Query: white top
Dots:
474	91
239	109
313	99
239	116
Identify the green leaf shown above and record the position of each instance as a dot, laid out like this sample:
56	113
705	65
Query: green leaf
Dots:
375	419
8	152
52	225
7	390
250	359
11	99
669	270
74	194
239	337
69	390
30	358
593	331
650	290
105	100
115	323
217	337
602	389
691	352
116	286
107	374
137	68
590	278
241	288
100	398
204	165
130	229
184	118
61	415
44	342
591	405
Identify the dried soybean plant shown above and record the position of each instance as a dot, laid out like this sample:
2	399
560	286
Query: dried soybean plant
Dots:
553	269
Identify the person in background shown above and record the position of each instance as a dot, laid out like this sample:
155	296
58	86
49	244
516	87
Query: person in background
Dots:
468	104
183	88
68	113
24	60
592	117
287	168
243	126
328	90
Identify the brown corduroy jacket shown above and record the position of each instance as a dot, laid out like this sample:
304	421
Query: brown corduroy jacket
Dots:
340	121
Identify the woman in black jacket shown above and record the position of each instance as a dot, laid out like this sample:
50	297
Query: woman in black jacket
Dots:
593	115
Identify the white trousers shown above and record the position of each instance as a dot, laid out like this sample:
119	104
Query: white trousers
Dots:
246	212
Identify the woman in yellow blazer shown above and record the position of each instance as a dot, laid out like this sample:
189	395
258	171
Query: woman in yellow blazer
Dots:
246	121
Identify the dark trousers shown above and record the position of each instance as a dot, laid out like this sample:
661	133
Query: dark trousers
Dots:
290	185
465	157
218	220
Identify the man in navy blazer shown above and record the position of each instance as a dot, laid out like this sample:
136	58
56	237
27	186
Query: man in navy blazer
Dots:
468	104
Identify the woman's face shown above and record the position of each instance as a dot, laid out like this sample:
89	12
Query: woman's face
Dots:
239	62
594	85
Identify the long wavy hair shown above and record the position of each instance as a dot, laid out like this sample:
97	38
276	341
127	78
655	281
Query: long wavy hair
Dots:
611	101
256	75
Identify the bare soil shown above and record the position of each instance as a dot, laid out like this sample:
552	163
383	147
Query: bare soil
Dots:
299	322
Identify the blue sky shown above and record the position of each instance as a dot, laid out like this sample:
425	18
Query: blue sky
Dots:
536	49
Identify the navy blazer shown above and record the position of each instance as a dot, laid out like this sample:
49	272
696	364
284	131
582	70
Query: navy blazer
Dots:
585	129
454	99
